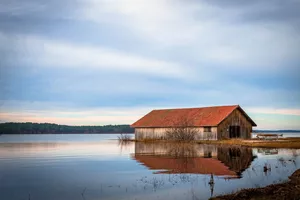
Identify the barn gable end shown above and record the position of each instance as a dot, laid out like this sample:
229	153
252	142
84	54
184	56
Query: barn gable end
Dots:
236	119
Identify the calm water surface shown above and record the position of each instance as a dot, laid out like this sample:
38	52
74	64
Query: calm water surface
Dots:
89	167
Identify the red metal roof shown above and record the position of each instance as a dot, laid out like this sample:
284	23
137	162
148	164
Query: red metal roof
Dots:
196	117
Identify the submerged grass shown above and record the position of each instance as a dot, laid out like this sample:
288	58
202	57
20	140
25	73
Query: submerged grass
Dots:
124	138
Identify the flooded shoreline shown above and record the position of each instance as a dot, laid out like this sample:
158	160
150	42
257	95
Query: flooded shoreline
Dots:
287	190
99	167
293	143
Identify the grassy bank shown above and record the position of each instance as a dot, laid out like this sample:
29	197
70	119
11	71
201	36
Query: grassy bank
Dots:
293	143
287	190
281	143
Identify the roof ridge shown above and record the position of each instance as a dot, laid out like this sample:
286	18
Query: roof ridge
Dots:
235	105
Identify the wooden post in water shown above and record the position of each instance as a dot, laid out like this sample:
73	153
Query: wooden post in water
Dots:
211	184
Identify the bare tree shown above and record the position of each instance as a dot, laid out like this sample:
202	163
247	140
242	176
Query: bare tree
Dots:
182	130
208	135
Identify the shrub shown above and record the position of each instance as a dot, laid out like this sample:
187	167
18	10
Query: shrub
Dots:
182	131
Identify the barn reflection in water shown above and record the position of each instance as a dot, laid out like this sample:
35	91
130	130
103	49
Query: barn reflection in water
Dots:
171	158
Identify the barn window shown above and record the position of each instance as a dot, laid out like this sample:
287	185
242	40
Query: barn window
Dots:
207	129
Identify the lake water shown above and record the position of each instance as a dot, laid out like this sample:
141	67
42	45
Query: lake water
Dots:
89	167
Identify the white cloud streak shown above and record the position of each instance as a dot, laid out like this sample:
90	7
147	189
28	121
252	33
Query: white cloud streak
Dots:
52	53
209	34
276	111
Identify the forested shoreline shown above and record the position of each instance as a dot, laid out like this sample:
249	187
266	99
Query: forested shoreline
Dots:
48	128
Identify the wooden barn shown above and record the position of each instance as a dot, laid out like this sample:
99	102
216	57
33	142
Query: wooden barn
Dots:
218	122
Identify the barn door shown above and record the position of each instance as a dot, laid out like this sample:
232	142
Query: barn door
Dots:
234	131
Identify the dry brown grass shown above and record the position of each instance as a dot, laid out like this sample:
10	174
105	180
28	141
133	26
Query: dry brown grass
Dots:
293	143
287	190
282	143
162	141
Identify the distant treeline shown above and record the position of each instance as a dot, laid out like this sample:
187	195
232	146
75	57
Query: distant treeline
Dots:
47	128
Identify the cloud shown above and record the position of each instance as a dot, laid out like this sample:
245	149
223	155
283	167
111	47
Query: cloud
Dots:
258	11
62	113
207	32
98	53
37	8
41	52
276	111
200	32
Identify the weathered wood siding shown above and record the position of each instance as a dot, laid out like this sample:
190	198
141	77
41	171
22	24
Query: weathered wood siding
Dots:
236	118
161	133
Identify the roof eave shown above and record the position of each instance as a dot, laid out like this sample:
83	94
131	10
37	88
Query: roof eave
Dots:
172	126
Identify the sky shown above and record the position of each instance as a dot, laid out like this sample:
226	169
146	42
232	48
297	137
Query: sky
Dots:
96	62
